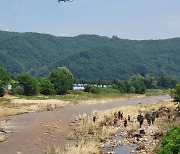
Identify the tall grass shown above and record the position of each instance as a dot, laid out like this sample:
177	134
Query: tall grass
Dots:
150	92
78	96
5	102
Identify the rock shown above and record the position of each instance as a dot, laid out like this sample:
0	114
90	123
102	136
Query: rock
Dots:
136	135
111	152
141	131
2	137
158	135
141	147
145	139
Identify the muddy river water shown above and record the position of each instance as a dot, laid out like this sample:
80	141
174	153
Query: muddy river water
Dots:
34	133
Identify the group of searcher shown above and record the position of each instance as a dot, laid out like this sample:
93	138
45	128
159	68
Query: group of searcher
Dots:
150	117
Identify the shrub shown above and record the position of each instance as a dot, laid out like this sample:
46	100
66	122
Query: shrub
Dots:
29	84
46	87
92	89
2	91
87	88
175	94
95	90
62	79
171	142
139	86
4	81
110	90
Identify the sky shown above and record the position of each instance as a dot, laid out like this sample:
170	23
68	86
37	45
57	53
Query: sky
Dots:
127	19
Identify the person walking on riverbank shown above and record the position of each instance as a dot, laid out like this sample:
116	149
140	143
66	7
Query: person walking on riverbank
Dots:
115	120
140	118
94	119
129	119
125	122
119	114
153	117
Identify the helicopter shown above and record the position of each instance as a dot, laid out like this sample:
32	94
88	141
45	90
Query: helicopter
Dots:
65	0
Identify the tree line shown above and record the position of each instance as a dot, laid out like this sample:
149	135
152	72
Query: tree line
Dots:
60	80
137	83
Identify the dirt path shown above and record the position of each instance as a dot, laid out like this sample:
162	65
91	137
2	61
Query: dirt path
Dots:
34	133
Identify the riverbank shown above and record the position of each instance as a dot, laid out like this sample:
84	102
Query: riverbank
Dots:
36	132
93	137
12	105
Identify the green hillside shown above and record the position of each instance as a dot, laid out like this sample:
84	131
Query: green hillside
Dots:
88	56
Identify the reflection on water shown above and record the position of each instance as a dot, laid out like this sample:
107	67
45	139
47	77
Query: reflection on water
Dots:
119	138
124	149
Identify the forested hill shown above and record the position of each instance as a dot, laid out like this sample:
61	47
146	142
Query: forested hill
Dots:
88	56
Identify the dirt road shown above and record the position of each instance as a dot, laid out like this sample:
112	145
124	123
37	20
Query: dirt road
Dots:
34	133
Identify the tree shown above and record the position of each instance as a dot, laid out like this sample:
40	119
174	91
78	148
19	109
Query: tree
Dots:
16	88
2	89
62	80
46	87
118	84
150	80
139	86
128	87
4	75
167	82
4	80
175	94
29	84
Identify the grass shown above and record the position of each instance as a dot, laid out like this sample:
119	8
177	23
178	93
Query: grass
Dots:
36	97
81	148
5	102
77	96
8	109
106	94
150	92
80	96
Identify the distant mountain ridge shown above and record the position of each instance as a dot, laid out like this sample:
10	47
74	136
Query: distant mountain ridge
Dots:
88	56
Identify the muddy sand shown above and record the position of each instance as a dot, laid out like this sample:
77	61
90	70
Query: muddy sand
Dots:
33	133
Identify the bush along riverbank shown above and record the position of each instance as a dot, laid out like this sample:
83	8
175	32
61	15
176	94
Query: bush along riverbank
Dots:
103	131
171	142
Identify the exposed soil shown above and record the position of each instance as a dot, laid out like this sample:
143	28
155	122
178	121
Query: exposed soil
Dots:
35	132
48	101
